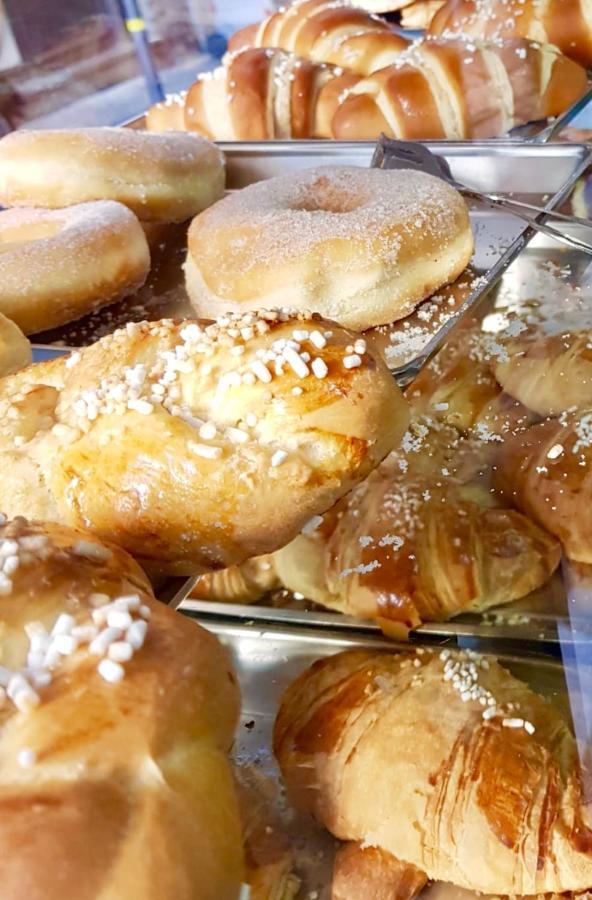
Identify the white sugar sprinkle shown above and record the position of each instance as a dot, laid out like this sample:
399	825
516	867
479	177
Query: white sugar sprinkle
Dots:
206	451
110	670
278	458
352	361
319	367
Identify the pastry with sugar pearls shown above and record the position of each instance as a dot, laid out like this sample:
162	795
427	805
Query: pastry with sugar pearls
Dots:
360	246
195	447
116	718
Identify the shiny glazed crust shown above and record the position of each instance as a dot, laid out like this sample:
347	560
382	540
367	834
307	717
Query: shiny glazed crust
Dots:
188	454
111	788
565	23
59	265
161	177
383	749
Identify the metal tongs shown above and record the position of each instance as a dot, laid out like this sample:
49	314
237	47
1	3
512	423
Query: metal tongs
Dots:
391	154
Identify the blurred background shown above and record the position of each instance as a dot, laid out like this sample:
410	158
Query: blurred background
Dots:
77	62
67	63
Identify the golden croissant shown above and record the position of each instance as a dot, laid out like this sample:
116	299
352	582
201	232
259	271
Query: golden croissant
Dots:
444	760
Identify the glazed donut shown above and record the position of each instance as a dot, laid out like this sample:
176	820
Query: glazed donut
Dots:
360	246
58	265
161	177
15	349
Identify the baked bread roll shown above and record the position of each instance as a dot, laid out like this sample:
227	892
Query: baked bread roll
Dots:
545	472
117	717
456	88
548	373
15	349
421	540
326	31
263	94
444	760
361	246
565	23
160	177
197	447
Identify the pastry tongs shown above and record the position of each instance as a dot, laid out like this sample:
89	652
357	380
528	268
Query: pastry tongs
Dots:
392	154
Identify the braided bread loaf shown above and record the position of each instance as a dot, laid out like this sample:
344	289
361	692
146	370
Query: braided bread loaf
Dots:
260	94
458	88
565	23
116	718
326	31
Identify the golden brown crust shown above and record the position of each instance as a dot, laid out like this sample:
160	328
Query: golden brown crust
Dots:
363	872
421	540
165	177
326	31
125	782
457	88
565	23
191	455
545	472
262	94
58	265
548	374
420	14
169	115
490	801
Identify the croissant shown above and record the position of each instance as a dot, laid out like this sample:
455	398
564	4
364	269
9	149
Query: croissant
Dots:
444	760
326	31
420	545
117	717
262	94
245	583
455	88
196	447
545	472
15	349
565	23
548	374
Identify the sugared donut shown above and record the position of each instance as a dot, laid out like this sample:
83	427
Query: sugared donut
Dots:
15	349
161	177
58	265
360	246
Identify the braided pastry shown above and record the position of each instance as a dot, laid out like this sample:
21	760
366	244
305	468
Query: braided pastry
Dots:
262	94
457	88
326	31
567	24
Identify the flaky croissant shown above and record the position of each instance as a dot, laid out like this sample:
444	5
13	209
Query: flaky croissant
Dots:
116	717
548	373
419	546
197	447
444	760
545	472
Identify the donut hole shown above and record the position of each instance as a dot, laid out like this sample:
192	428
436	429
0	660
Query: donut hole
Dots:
27	233
324	195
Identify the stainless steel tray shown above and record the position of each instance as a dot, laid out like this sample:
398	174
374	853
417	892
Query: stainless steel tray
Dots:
268	658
